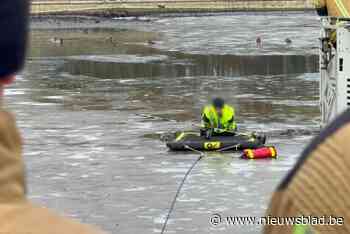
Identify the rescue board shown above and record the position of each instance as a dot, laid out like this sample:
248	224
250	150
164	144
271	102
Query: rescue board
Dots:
180	141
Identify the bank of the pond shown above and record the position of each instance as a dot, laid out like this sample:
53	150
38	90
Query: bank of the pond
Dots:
128	8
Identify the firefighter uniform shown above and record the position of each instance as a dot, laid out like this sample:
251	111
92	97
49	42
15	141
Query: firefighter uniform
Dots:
18	215
318	186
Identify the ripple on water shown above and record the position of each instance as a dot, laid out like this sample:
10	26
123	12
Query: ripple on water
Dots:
79	156
124	58
11	92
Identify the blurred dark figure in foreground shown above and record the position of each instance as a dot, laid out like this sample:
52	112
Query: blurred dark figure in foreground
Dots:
18	215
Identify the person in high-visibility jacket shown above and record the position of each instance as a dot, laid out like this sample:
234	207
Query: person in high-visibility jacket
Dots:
336	8
218	119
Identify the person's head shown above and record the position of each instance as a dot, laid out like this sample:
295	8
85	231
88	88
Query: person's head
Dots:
13	40
218	104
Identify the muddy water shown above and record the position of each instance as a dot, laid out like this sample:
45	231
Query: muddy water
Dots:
92	110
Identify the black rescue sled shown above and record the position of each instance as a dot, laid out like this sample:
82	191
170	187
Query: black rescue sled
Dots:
185	140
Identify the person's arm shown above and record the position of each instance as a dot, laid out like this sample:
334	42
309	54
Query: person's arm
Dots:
321	7
232	126
206	127
205	122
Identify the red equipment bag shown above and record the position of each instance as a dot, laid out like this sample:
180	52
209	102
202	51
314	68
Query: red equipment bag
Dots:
264	152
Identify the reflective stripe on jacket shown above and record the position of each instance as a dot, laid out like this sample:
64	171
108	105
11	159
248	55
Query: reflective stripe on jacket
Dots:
210	118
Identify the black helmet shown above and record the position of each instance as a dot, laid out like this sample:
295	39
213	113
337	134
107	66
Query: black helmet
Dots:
13	40
218	102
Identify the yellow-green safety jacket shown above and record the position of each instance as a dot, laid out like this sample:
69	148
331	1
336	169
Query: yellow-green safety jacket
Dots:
210	118
336	8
